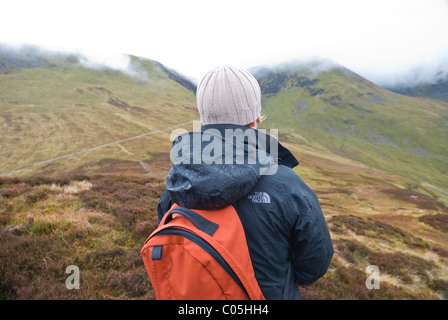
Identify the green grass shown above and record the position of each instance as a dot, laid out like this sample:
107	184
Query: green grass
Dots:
49	112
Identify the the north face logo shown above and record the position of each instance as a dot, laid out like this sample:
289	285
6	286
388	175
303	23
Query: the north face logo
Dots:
260	197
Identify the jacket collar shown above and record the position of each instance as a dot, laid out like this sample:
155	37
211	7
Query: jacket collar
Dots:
285	157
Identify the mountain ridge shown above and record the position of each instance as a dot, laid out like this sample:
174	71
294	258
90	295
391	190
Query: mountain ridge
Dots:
434	90
12	60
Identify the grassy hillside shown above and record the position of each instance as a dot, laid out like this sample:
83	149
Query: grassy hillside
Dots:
338	111
374	219
99	223
58	107
377	161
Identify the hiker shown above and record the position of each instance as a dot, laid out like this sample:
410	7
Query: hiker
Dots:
286	232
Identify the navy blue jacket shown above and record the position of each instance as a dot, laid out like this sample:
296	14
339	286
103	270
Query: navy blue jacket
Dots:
287	235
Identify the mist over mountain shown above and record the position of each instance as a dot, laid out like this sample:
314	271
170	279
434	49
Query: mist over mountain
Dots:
437	90
13	59
429	81
273	78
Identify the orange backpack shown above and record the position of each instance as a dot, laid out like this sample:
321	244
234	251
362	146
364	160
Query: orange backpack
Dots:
200	255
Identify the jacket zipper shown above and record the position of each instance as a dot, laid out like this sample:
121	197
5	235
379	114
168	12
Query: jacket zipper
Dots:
207	248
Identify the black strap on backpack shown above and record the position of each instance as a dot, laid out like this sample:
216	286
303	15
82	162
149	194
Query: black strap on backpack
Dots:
207	226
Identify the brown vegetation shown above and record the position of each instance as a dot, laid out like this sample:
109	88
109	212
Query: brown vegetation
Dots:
99	223
46	224
437	221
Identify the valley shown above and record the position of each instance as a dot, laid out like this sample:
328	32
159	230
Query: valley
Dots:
376	159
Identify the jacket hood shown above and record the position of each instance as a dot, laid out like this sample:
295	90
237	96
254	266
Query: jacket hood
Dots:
215	167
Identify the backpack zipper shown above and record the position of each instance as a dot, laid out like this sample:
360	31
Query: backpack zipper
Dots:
207	248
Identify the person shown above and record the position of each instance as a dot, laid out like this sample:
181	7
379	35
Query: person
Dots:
287	236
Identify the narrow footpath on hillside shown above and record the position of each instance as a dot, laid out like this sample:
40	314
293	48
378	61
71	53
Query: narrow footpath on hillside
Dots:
95	148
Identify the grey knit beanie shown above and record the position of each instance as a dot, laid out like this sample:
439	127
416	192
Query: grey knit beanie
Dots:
228	95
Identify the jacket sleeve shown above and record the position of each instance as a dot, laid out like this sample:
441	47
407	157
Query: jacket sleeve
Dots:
311	244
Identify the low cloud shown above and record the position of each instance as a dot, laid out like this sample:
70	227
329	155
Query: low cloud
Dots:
34	55
425	72
314	64
113	61
422	74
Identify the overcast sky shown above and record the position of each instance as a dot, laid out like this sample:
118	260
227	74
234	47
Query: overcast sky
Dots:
379	39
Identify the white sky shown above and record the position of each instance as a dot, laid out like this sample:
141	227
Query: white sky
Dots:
375	38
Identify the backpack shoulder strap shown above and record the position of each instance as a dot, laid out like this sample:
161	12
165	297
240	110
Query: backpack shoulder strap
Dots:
207	226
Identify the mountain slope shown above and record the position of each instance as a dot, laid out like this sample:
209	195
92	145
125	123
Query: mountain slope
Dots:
332	108
437	90
95	209
52	105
